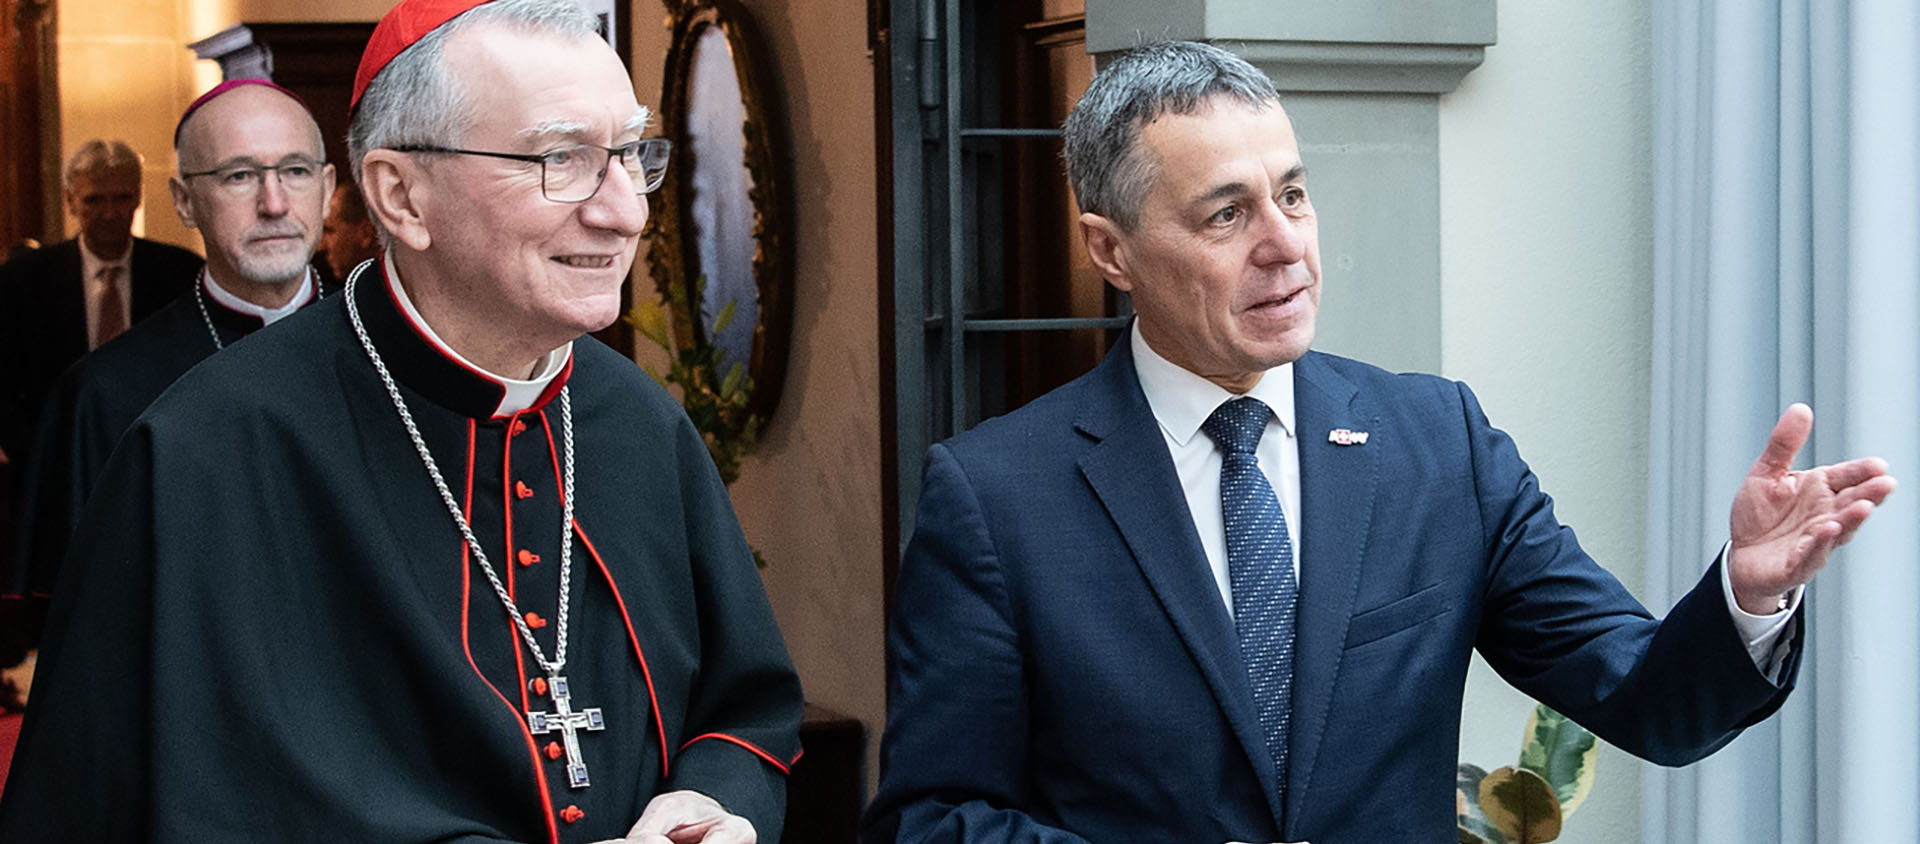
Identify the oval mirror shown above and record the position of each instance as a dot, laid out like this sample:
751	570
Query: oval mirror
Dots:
720	231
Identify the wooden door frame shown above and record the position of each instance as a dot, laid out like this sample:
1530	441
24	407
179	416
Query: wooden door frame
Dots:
30	200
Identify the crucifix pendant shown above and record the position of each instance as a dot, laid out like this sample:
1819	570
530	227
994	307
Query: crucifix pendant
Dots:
569	723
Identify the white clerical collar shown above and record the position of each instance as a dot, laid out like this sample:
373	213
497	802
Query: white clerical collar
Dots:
1182	401
267	316
519	395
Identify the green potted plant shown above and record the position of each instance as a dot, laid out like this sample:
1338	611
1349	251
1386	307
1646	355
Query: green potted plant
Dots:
715	401
1527	803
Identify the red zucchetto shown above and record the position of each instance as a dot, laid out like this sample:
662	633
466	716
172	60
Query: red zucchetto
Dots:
406	24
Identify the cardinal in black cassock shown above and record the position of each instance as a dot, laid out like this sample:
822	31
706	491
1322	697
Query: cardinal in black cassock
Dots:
343	582
273	630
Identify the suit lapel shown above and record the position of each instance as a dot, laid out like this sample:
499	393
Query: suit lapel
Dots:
67	300
1131	472
1337	488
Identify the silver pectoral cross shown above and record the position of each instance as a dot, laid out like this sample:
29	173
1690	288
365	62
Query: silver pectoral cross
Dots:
569	723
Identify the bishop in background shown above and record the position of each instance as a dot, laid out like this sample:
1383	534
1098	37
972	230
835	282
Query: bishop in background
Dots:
253	179
458	574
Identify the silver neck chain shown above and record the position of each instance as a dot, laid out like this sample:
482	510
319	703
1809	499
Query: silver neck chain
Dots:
551	667
200	299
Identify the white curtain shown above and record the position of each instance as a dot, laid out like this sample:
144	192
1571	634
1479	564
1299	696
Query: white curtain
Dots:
1787	267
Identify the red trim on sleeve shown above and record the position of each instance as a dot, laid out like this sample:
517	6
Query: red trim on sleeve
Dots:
466	645
659	726
785	768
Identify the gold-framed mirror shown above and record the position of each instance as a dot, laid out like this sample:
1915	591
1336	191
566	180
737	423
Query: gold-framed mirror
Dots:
721	232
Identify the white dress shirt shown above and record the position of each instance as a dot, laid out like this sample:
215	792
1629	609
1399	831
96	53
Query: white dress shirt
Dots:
1181	401
93	272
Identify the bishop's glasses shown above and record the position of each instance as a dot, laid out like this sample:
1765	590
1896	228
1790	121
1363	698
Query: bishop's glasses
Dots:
297	174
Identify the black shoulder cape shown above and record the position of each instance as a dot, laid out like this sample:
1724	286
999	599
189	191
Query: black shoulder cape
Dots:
91	405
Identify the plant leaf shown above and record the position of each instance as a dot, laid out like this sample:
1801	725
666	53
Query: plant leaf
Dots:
1480	831
1466	796
648	319
724	318
1562	753
1467	778
730	384
1521	805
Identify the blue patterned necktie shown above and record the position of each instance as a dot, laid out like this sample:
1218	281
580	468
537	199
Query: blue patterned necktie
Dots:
1259	569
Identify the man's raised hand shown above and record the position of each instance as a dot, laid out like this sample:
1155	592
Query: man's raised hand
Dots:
1785	523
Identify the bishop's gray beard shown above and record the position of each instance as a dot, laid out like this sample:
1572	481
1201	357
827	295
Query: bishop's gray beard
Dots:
275	264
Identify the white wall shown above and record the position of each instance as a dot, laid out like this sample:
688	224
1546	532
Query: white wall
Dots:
1546	268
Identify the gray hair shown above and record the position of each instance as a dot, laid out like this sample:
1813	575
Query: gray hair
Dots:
415	100
97	155
1109	171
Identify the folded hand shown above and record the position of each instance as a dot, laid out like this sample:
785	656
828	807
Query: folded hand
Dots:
688	817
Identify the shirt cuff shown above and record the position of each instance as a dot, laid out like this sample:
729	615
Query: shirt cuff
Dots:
1767	637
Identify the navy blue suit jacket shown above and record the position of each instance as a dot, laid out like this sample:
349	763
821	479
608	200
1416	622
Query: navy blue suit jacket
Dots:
1062	667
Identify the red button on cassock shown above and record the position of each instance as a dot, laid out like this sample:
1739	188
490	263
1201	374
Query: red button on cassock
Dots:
521	490
539	685
554	750
571	814
535	621
528	558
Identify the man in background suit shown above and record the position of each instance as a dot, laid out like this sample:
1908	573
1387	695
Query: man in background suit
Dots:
1102	631
59	302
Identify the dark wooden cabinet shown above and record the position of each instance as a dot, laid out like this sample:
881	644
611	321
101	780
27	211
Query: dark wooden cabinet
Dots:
824	790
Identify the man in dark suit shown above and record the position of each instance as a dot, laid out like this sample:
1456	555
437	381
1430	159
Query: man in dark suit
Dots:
1102	631
61	301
